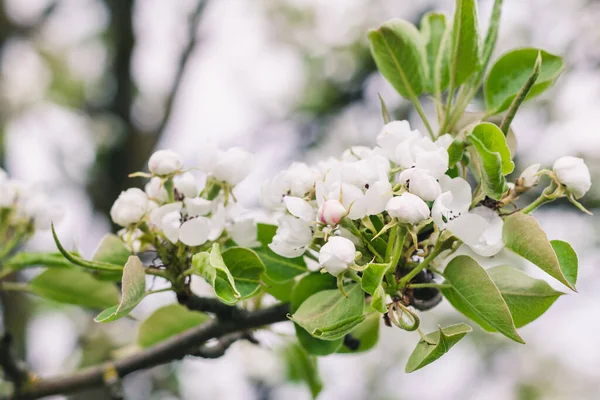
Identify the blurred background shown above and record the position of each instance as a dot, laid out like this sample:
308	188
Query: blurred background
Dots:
89	88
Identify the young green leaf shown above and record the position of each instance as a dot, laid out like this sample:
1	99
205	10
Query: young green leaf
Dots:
526	297
74	286
522	234
492	138
281	291
492	35
567	258
168	321
492	178
437	49
399	53
77	260
235	274
279	269
372	283
329	315
425	353
25	260
465	43
385	114
132	292
301	367
246	268
306	287
111	250
512	70
456	150
473	293
366	334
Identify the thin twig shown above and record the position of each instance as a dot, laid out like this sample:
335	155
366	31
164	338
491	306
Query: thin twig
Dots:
174	348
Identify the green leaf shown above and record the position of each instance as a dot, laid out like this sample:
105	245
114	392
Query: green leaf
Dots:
399	53
301	367
512	70
425	353
306	287
456	150
437	49
474	294
278	269
77	260
235	274
492	178
522	234
372	283
465	42
567	258
132	292
491	36
329	315
494	140
526	297
166	322
74	286
112	250
246	268
281	291
25	260
367	334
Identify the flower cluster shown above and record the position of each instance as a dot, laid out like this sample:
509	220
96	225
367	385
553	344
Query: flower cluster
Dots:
327	210
188	207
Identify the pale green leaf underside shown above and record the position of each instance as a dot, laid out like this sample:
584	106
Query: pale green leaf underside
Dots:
166	322
444	338
473	292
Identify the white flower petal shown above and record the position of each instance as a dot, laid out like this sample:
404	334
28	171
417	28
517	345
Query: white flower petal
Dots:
194	232
299	208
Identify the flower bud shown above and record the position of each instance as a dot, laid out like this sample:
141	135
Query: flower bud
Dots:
186	184
529	177
233	165
156	190
408	208
331	212
421	183
130	207
574	174
337	255
164	162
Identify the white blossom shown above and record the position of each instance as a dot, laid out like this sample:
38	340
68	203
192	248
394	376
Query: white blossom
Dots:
186	184
197	206
421	183
164	162
408	208
233	165
194	232
130	207
392	135
243	232
299	208
480	228
574	174
337	255
292	237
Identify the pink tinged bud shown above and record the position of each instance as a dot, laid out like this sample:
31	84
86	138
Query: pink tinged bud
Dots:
164	162
331	212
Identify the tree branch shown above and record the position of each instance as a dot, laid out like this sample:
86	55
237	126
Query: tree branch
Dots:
213	306
174	348
13	369
220	348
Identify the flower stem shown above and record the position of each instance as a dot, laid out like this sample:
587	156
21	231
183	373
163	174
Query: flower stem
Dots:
434	253
350	225
428	285
541	200
421	112
15	287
